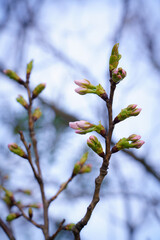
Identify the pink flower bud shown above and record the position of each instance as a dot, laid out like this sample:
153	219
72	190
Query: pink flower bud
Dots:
133	137
84	124
81	90
138	143
80	125
82	83
136	111
73	125
131	106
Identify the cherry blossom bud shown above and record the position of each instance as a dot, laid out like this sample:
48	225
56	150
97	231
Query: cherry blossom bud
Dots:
132	107
133	137
136	112
131	142
118	75
36	114
13	147
84	83
130	111
81	90
38	90
95	145
86	87
11	74
83	127
22	101
138	144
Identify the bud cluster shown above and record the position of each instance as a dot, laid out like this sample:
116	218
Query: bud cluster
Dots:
130	111
118	75
86	87
80	167
133	141
83	127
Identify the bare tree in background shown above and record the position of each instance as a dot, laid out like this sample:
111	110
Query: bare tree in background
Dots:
22	28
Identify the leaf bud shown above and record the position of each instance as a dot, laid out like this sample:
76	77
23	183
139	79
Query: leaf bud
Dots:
114	58
38	90
13	147
11	74
12	216
30	212
36	114
22	101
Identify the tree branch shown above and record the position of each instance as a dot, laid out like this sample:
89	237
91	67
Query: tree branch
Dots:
7	230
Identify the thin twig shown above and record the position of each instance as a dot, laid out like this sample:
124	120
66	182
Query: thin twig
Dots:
26	217
62	187
39	176
29	153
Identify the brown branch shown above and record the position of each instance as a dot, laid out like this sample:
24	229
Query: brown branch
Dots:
62	187
6	230
58	230
26	217
103	170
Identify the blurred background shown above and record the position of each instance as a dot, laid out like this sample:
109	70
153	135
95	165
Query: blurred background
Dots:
70	40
